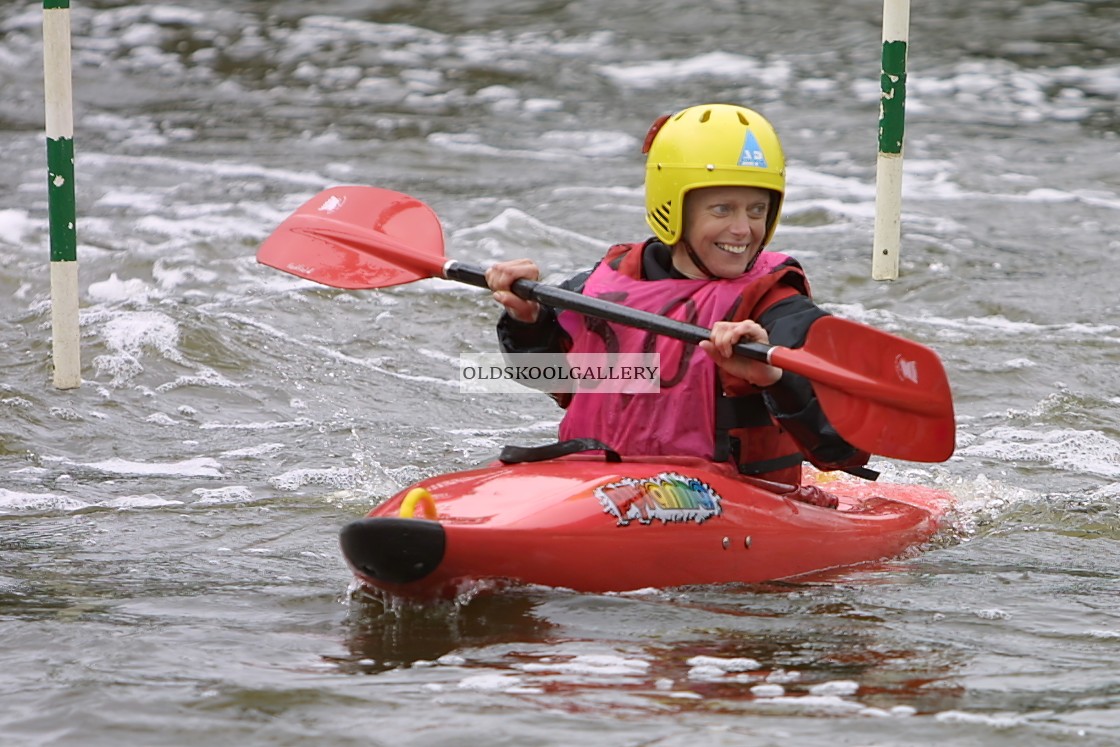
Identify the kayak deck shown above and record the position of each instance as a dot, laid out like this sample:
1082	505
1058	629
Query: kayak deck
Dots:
583	524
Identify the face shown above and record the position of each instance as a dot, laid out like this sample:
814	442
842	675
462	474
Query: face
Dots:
725	227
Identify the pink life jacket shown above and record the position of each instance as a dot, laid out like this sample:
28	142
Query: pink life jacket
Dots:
681	419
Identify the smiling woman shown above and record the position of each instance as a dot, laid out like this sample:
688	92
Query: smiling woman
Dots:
715	181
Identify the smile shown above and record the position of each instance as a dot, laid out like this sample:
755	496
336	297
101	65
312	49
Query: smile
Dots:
732	248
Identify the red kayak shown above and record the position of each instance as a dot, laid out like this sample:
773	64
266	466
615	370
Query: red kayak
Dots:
584	524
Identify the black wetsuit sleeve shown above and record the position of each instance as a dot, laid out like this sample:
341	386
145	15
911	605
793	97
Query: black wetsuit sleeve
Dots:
545	335
792	401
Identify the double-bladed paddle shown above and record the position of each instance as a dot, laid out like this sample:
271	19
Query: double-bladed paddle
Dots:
882	393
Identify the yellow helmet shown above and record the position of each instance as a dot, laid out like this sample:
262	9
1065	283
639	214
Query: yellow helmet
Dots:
712	145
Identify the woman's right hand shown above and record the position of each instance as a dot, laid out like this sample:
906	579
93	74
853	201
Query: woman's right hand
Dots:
501	276
720	344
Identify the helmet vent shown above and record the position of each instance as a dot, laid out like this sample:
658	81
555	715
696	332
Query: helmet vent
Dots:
660	215
743	119
706	115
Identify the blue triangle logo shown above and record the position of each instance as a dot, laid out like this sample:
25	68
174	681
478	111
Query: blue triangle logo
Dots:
752	154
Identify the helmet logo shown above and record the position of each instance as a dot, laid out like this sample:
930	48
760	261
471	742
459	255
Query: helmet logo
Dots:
752	154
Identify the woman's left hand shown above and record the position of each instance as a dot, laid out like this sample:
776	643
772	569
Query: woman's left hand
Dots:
719	347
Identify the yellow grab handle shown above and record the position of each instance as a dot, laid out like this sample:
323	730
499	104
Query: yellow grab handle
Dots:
422	497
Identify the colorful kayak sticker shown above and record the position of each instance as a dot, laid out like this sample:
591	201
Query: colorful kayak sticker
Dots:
668	497
752	154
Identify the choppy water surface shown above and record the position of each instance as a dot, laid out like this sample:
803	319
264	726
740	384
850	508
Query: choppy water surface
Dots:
170	571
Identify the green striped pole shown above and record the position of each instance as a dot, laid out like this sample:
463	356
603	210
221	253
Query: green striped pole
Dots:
60	194
892	118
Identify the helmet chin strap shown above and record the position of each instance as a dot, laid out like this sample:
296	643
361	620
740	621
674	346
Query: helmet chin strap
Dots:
695	258
697	262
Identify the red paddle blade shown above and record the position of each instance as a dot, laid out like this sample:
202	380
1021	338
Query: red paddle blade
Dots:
895	398
358	237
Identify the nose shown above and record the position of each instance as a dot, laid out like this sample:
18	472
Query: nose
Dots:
742	224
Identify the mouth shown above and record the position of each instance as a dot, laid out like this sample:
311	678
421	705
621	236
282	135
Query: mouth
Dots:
733	248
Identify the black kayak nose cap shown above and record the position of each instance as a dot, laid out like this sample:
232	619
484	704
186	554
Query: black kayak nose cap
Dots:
394	550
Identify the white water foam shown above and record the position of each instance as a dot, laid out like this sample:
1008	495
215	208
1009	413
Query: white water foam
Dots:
1085	452
338	478
1001	91
222	496
516	227
12	501
548	146
718	64
129	334
590	665
14	225
195	467
835	687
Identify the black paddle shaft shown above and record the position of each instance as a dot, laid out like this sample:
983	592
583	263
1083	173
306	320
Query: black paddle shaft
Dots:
559	298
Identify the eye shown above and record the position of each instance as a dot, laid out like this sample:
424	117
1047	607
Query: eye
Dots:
720	209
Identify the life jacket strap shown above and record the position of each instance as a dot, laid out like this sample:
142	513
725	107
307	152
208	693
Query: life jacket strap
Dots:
522	454
763	466
748	411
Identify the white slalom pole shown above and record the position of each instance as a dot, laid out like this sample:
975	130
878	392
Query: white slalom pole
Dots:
58	89
892	118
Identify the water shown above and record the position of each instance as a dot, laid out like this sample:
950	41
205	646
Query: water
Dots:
170	570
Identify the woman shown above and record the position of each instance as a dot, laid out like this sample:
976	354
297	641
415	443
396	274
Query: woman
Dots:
715	181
